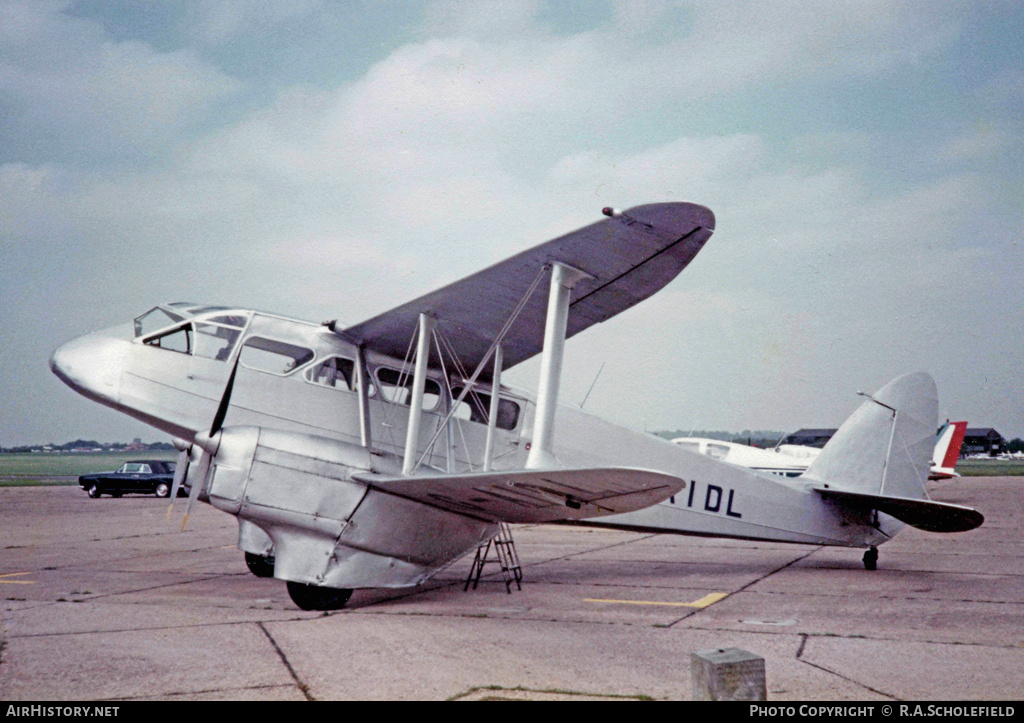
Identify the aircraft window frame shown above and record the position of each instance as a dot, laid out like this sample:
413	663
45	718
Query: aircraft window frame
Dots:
154	340
314	374
173	318
205	348
274	350
717	451
479	409
235	321
690	446
431	389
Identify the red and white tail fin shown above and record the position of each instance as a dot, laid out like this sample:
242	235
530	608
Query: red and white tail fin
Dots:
947	450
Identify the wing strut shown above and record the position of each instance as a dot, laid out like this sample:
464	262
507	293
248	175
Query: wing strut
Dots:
468	385
492	416
419	380
563	278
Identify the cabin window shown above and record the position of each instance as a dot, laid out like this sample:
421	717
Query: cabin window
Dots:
336	371
718	451
690	446
179	340
476	408
272	356
397	388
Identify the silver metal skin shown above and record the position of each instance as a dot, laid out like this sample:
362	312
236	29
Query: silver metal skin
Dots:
305	434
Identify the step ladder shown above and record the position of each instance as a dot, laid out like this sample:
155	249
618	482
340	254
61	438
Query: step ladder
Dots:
504	553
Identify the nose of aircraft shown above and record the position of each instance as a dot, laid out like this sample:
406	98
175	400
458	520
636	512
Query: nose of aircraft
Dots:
92	365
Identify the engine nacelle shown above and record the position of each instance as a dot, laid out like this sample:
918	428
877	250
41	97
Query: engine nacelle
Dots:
325	528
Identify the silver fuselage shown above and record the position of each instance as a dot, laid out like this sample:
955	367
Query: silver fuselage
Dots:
178	390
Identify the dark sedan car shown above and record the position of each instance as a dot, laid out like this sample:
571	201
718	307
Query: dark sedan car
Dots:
148	476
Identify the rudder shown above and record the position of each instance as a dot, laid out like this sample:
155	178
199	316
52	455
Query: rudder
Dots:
885	447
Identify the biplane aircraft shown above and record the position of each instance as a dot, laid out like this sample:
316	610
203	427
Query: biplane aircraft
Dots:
374	455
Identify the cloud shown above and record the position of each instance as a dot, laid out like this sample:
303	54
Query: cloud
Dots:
489	129
76	96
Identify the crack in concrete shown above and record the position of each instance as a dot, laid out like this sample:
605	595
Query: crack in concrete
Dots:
303	688
748	585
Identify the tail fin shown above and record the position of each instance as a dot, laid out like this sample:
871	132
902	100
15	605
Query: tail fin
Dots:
880	458
885	447
947	450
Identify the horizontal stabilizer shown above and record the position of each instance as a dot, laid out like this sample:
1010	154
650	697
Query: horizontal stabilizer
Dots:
922	514
549	495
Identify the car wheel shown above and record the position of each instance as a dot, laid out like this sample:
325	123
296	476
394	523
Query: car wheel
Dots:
94	491
260	565
163	490
314	597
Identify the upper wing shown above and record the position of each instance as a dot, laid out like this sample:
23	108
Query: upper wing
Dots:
629	257
535	495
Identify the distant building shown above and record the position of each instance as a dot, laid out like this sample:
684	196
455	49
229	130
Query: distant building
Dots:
982	440
810	437
977	440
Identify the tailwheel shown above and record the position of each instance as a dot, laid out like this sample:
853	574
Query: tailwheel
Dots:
314	597
871	558
260	565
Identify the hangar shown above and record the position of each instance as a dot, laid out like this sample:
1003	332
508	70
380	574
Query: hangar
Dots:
977	440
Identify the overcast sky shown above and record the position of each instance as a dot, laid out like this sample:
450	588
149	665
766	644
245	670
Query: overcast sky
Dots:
864	160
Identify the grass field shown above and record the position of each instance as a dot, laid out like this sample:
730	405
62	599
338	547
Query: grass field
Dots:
49	469
56	469
990	468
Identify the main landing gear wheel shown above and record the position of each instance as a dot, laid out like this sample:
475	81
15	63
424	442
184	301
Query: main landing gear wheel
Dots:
259	565
314	597
871	559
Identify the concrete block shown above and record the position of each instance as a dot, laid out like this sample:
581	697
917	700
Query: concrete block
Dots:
727	674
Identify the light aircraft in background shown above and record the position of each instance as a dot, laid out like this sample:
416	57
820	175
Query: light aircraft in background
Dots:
792	460
376	454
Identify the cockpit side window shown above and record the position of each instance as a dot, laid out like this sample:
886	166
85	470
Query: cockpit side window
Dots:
179	340
273	356
214	341
210	341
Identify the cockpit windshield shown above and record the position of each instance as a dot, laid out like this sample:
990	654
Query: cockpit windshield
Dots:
197	330
156	319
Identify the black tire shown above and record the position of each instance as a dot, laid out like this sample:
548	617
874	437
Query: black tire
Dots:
313	597
163	490
94	491
260	565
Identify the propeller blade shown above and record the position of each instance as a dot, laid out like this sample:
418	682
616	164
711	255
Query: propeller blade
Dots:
225	400
180	470
206	456
198	483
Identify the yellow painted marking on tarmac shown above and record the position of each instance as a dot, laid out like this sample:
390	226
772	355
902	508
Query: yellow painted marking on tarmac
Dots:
702	603
5	581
